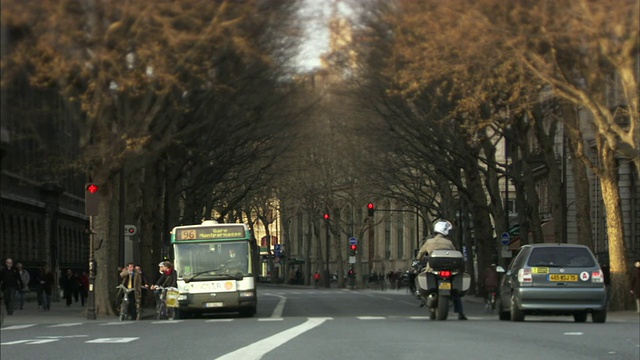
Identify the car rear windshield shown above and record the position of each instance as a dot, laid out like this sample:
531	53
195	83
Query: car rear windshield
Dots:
561	257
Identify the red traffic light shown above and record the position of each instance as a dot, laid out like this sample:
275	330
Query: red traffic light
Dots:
326	216
353	247
92	188
370	208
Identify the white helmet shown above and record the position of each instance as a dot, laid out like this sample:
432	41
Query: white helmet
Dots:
443	227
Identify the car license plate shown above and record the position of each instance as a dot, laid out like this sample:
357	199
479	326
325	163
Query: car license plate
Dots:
445	286
213	304
563	277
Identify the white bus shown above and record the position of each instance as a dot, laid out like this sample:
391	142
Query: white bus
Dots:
216	266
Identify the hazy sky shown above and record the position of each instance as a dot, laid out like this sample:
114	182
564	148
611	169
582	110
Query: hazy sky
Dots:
315	16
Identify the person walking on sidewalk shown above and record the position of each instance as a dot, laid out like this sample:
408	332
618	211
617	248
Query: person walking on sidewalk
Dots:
10	282
84	287
26	279
46	281
635	284
68	283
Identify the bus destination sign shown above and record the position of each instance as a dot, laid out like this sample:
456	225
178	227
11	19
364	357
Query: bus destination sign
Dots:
211	233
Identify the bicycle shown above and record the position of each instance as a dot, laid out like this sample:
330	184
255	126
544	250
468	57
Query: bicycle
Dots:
124	303
162	310
490	304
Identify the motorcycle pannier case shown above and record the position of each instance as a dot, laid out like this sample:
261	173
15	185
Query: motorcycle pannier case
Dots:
446	260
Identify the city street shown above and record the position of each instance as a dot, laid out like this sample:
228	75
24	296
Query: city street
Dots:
301	322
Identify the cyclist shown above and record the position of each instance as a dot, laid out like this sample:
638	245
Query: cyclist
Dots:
168	278
316	279
491	284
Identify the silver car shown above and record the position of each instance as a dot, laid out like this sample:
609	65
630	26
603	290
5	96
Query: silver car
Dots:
553	279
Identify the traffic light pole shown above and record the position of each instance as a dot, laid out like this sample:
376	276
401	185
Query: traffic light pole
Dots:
327	277
91	298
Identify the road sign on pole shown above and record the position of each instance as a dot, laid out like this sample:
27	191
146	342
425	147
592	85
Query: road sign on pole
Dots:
504	238
353	241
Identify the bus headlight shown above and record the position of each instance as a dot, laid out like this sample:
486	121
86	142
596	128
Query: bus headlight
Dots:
182	297
246	293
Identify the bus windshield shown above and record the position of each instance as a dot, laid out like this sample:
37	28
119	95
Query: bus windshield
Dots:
207	261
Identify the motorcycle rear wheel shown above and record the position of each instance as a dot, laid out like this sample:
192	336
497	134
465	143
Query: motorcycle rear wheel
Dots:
443	307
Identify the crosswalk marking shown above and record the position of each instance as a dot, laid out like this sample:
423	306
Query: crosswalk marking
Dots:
167	321
219	320
65	325
371	317
118	323
112	340
270	319
18	327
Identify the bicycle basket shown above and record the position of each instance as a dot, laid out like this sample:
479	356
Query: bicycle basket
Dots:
172	297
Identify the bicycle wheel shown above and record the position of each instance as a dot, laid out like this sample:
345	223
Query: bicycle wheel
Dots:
123	311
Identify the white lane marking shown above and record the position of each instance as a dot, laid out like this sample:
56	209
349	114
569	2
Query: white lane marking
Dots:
574	333
277	312
64	325
219	320
118	323
418	317
18	327
371	317
270	319
258	349
112	340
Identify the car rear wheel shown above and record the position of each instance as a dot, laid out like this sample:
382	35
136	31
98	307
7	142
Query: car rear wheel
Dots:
516	313
580	317
502	313
599	316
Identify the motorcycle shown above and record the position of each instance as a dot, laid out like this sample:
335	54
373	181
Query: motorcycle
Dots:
442	278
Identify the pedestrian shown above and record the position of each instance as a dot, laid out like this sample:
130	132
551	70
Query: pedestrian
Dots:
26	279
10	282
635	284
47	282
68	284
39	283
84	287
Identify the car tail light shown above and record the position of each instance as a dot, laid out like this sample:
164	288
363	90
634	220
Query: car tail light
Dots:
524	275
445	274
597	276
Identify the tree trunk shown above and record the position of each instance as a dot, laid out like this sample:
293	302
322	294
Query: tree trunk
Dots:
615	228
580	183
106	252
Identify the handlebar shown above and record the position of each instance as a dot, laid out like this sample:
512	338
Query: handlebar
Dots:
123	288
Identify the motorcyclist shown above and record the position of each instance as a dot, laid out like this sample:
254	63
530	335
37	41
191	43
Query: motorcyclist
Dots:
440	242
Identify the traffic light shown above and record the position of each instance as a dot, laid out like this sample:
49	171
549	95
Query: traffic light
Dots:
370	208
130	230
326	216
91	199
353	249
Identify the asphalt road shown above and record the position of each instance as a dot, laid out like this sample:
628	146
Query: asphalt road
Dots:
306	323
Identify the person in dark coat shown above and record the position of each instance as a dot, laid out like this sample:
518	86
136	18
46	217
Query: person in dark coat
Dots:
69	285
10	282
45	282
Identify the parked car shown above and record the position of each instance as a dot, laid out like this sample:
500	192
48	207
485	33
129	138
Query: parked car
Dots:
553	279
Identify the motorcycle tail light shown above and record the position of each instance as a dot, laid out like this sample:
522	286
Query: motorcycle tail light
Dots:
445	274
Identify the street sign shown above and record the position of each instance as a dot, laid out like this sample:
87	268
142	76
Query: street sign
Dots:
504	238
353	241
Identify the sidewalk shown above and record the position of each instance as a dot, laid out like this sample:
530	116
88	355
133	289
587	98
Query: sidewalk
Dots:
59	313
